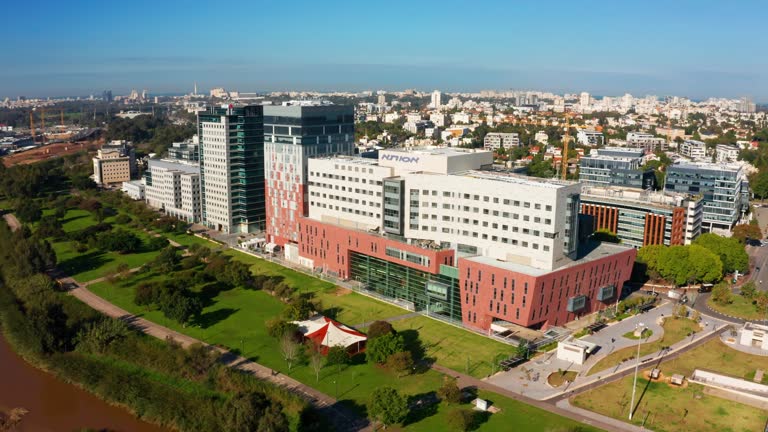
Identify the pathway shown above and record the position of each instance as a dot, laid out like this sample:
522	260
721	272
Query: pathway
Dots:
343	418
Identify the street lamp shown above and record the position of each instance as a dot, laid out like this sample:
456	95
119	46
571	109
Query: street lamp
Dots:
640	326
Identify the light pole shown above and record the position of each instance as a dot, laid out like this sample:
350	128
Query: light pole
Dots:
641	326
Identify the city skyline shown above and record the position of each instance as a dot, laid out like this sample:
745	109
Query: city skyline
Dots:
601	47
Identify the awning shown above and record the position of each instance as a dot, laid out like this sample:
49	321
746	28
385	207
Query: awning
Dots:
270	247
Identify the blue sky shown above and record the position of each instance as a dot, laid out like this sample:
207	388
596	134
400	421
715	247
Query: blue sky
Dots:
692	48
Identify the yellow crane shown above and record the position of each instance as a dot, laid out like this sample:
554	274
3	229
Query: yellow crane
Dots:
566	139
32	126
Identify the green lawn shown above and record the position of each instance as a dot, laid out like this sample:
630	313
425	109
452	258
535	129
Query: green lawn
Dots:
514	416
718	357
675	330
672	409
456	348
740	307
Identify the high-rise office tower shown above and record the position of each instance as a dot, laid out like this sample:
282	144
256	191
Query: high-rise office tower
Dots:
232	168
293	133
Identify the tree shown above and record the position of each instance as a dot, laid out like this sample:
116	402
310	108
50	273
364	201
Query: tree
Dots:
300	308
400	362
748	290
120	241
605	235
379	328
540	167
449	391
156	243
721	294
29	211
180	307
337	356
97	336
316	360
742	232
166	260
289	348
759	184
277	328
461	419
379	349
387	406
730	250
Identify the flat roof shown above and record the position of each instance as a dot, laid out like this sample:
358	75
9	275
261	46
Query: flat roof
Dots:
509	177
589	251
351	160
191	168
445	151
662	200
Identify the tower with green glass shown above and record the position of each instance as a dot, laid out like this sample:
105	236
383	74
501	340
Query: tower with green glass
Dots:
232	168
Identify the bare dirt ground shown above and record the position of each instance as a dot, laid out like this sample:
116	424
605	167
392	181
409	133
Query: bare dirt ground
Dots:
47	152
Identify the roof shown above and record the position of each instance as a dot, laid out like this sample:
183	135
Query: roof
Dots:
507	177
327	332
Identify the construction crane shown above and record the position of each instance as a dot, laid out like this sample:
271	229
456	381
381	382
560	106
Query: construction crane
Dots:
32	126
42	122
62	117
566	139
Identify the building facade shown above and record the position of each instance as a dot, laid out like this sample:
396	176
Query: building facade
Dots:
590	138
722	187
642	218
646	141
726	153
186	150
293	133
696	150
615	166
232	168
111	166
496	140
439	231
174	187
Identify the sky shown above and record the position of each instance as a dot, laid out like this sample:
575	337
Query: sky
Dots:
697	49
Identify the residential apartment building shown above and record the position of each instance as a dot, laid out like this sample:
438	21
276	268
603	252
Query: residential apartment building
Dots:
293	133
726	153
111	166
496	140
232	168
646	141
590	138
641	218
174	187
723	188
616	166
696	150
440	231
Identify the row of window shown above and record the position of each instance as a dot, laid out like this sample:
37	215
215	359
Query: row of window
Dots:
495	200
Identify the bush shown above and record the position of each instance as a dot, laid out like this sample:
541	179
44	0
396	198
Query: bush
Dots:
337	356
387	406
278	327
400	362
157	243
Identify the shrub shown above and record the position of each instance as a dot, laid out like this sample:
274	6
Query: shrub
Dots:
461	419
379	328
400	362
449	391
378	350
387	406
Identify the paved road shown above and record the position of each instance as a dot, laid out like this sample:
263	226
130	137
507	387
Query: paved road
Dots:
343	418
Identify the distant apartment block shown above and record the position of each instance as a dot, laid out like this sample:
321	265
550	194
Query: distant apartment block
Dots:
440	119
696	150
646	141
723	188
616	166
726	153
590	138
641	218
174	187
496	140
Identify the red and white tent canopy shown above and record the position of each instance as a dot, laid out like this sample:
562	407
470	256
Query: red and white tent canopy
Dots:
326	332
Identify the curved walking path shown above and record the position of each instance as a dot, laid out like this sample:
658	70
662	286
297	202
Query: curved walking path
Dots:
342	418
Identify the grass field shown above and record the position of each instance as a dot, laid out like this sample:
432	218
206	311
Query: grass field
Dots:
556	379
514	416
740	307
718	357
675	330
456	348
672	409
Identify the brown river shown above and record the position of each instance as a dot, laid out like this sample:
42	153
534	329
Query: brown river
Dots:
55	406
